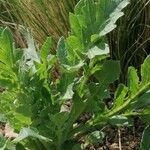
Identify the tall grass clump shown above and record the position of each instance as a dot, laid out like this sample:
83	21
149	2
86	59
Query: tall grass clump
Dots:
130	42
43	17
7	18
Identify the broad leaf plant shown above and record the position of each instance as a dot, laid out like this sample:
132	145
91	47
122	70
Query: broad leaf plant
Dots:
44	95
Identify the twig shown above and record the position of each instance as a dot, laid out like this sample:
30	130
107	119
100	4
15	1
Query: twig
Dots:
119	135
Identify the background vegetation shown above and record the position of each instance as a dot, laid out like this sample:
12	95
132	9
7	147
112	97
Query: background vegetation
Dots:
43	17
129	42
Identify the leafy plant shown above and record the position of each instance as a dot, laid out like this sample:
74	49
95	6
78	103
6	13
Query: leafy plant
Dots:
39	85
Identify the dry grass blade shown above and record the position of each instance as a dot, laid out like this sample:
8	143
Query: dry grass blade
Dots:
43	17
130	42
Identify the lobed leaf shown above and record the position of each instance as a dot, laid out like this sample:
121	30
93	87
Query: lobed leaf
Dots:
145	144
27	132
109	72
6	48
46	47
145	71
133	80
120	96
62	52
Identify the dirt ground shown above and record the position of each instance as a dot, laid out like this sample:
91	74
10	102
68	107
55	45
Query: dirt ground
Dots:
123	138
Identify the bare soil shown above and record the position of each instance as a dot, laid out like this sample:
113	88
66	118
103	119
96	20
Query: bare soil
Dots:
121	138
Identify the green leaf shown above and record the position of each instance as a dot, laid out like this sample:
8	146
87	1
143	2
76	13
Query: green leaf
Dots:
147	111
18	54
146	116
143	101
96	99
75	48
119	120
96	51
91	21
133	80
3	118
113	11
134	95
120	95
109	73
76	147
67	54
145	71
27	132
69	93
2	142
20	147
62	52
98	17
73	69
74	43
6	144
22	118
78	107
6	47
46	47
30	53
145	144
59	119
65	86
76	28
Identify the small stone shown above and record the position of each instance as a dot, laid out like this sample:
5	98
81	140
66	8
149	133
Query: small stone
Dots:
114	146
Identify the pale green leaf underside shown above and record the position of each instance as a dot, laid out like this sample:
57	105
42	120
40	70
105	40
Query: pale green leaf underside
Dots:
27	132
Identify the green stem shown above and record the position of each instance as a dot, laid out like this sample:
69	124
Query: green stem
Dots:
85	128
128	100
117	110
